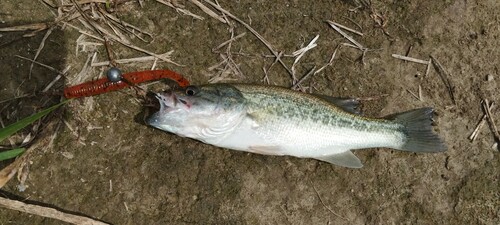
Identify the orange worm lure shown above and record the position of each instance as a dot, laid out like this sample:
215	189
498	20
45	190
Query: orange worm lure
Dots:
105	85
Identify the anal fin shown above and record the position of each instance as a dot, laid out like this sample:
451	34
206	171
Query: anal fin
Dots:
266	150
345	159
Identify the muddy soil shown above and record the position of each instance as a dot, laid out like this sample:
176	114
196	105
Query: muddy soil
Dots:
114	168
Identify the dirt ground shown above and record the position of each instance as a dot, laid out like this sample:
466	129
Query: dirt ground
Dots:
113	168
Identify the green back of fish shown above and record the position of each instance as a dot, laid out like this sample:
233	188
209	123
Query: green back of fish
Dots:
272	103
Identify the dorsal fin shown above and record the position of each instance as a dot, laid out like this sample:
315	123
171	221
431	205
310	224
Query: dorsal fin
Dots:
349	105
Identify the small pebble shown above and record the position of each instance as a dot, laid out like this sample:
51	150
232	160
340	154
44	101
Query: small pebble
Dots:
21	187
489	77
67	155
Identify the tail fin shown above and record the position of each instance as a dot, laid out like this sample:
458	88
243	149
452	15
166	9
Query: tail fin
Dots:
418	129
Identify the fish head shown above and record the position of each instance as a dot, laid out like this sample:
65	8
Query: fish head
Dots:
188	111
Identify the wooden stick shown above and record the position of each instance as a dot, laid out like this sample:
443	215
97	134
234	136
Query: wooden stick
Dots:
47	212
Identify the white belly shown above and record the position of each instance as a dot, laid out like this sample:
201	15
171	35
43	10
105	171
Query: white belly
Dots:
300	139
247	137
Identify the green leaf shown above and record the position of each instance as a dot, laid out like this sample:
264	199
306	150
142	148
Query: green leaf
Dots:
11	153
15	127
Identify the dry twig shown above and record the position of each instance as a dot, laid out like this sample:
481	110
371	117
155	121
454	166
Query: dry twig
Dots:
47	212
347	28
40	47
41	64
208	11
491	121
348	37
28	27
410	59
265	79
106	36
330	62
323	203
183	11
124	26
301	52
266	43
444	77
417	96
132	60
412	94
428	69
228	41
420	97
227	66
311	72
481	123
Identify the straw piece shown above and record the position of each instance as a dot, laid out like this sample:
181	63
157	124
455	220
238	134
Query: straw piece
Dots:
348	37
410	59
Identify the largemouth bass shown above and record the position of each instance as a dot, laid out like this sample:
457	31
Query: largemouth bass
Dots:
273	120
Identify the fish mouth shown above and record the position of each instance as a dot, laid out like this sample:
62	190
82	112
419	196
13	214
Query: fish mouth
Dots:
167	100
167	103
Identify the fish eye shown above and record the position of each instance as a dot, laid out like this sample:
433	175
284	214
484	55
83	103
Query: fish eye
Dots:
191	90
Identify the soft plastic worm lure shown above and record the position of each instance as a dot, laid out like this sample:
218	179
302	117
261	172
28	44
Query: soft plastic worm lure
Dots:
116	81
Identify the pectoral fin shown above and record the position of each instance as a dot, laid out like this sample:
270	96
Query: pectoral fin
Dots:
345	159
